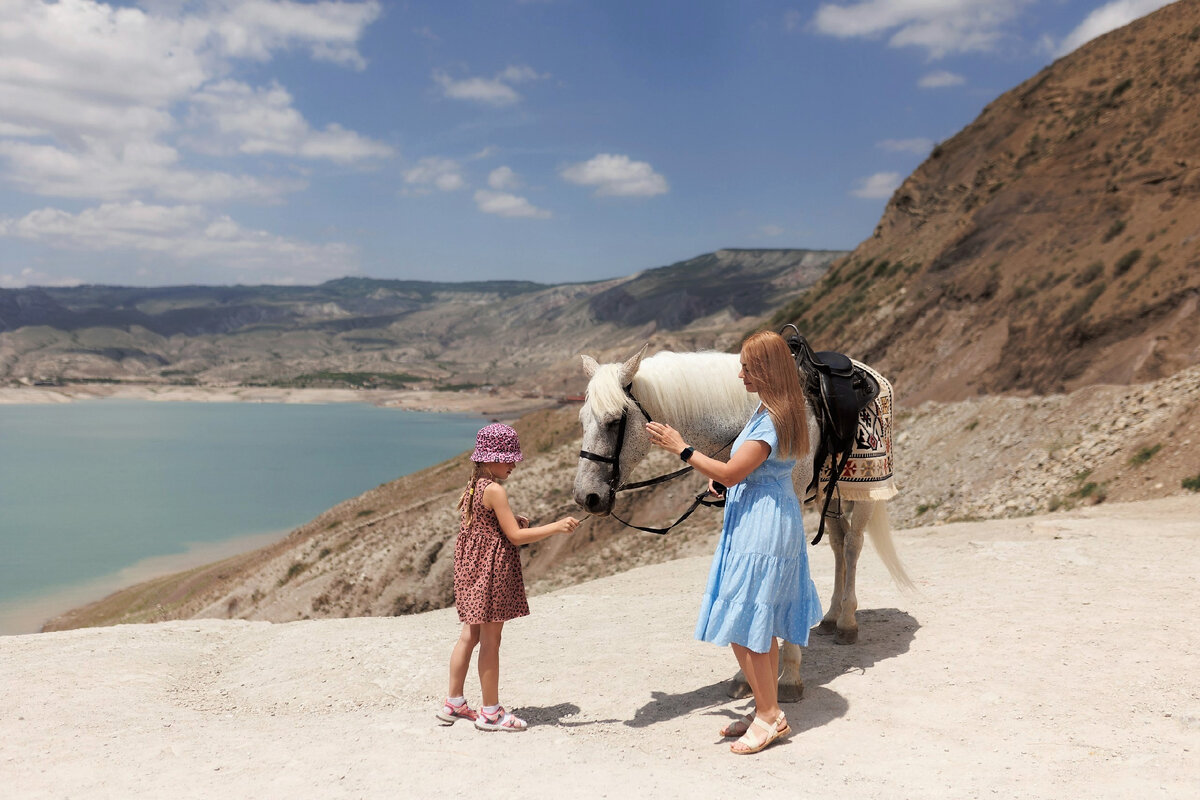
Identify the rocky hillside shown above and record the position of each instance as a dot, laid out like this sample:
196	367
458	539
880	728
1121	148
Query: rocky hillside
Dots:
381	333
390	550
1052	243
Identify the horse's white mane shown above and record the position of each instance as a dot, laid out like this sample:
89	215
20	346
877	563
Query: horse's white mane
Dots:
675	385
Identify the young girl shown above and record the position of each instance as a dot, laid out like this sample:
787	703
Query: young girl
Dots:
489	589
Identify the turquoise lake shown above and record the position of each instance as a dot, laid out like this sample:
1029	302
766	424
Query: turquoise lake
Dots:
90	489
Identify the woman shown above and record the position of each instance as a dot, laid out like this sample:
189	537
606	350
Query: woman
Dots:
759	585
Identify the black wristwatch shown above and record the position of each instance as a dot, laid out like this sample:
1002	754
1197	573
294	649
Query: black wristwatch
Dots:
686	453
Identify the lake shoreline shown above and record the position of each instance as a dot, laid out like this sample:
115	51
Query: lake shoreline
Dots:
496	403
28	614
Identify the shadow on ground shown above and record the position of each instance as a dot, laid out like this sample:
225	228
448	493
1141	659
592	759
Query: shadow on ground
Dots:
883	633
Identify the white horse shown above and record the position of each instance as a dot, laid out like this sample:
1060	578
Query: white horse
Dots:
699	395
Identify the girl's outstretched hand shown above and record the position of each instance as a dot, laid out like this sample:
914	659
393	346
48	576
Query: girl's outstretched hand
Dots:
566	525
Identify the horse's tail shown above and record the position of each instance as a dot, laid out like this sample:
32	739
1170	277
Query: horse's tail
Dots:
880	530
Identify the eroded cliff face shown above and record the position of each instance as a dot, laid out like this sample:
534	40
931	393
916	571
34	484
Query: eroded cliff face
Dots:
1052	243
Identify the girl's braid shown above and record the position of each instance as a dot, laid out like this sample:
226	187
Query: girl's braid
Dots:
465	504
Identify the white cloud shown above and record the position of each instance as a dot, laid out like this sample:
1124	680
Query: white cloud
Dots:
939	26
93	88
503	204
182	233
434	172
503	178
616	175
1108	17
329	30
235	117
106	171
32	277
940	79
918	146
494	91
879	185
771	230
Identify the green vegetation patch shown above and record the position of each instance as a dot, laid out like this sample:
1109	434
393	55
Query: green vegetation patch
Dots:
327	379
1192	484
1143	455
1126	261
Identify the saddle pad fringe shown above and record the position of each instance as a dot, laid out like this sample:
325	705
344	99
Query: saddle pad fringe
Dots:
868	472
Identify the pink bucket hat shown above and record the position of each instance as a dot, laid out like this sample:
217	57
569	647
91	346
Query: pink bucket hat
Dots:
497	444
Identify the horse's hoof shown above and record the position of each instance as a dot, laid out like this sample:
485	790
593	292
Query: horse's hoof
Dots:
827	627
791	692
737	689
847	636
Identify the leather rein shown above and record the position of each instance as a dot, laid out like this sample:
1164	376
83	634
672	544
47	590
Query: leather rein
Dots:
614	480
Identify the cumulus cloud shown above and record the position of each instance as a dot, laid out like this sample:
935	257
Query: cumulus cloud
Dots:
940	27
183	232
97	86
434	173
503	204
1108	17
503	178
877	186
771	231
109	171
32	277
917	146
238	118
616	176
495	91
940	79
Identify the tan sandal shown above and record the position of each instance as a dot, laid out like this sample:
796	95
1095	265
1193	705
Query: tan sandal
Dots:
770	731
737	728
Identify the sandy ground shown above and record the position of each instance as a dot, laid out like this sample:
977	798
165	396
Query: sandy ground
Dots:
501	403
1043	657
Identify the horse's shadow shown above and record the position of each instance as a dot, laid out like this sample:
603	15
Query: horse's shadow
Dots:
884	633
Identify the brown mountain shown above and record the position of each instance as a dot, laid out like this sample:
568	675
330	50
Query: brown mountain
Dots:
1052	243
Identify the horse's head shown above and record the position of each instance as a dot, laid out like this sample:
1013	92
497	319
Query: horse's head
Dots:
614	433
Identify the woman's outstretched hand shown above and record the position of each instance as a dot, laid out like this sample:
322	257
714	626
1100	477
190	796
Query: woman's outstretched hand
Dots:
666	437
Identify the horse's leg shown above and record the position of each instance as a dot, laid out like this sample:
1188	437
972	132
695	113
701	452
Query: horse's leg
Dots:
738	687
847	624
791	687
835	528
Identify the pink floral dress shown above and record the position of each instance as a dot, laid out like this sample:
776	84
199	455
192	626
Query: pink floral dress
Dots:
488	583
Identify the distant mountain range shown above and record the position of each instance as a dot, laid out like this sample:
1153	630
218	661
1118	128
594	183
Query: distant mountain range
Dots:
362	331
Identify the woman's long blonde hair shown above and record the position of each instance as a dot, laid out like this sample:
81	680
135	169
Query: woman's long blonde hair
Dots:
768	362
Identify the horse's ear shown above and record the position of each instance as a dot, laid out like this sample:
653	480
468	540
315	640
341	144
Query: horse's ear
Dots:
590	365
630	367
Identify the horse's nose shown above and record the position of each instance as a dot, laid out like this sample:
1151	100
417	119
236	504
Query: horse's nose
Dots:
592	503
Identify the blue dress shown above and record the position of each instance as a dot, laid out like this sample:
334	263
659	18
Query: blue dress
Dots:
759	585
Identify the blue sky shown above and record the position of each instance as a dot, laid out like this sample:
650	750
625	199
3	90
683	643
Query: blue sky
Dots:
259	141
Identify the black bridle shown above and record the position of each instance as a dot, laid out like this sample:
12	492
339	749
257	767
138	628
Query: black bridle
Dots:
614	480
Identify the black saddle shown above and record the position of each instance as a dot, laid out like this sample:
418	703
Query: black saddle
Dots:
838	392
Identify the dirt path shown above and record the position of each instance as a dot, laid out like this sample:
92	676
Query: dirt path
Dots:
1043	657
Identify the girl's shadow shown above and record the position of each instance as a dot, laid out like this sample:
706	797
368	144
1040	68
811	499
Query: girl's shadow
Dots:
884	633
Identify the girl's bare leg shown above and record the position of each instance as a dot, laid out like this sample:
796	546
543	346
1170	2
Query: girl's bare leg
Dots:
489	661
460	658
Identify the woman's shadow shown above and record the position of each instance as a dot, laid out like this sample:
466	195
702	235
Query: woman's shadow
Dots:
884	633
